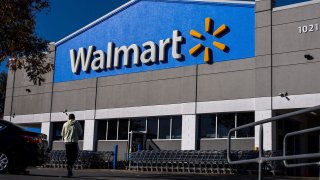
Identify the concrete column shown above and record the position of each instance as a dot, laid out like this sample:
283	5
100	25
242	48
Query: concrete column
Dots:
189	132
269	131
89	137
46	129
263	71
9	96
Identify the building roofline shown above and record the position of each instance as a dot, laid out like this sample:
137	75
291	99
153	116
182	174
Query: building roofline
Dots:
290	6
132	2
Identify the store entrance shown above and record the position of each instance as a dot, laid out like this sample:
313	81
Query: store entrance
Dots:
137	140
301	144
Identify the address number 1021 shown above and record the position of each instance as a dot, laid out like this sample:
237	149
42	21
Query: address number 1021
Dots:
308	28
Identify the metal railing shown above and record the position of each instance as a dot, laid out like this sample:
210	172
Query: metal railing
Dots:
261	159
305	131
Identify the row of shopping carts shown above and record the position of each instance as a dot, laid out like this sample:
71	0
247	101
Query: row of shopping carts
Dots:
192	161
86	159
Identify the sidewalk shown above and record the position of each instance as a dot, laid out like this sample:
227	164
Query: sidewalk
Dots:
53	174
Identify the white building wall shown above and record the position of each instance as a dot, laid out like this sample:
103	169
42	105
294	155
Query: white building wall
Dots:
296	101
142	111
261	106
31	118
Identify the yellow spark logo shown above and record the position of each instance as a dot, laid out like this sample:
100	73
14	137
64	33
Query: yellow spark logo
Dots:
207	51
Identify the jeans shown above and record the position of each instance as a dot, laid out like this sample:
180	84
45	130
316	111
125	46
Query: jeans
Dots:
72	153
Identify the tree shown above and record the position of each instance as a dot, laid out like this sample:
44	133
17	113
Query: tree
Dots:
18	41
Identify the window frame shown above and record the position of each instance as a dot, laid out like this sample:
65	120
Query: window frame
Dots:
98	130
146	127
157	119
236	132
117	136
171	129
216	125
170	123
117	121
55	128
128	122
213	118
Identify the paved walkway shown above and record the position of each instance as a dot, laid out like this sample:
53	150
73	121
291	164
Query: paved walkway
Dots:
53	174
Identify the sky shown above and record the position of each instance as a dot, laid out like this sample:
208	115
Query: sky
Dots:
64	17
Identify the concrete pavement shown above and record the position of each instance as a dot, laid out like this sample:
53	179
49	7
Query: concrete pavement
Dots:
107	174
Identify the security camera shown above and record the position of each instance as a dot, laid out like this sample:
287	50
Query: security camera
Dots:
283	94
308	57
65	111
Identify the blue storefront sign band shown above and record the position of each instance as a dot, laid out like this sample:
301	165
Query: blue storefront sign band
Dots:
147	35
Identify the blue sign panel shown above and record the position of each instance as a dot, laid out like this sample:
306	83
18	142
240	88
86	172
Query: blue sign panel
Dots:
147	35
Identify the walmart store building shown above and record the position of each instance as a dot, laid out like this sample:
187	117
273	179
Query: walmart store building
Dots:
179	74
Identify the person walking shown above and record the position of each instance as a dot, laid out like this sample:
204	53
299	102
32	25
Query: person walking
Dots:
71	131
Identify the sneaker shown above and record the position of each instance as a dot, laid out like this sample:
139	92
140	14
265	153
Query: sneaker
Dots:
69	171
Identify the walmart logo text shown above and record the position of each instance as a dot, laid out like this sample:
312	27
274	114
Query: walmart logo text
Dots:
151	54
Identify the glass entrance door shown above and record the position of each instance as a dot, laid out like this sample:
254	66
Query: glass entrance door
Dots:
137	140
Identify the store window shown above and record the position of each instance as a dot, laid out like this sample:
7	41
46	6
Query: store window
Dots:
123	129
152	130
225	123
207	126
176	127
56	131
112	130
242	119
116	129
82	126
219	125
164	127
102	130
138	124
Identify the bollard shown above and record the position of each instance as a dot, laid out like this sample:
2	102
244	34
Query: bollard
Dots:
139	147
115	155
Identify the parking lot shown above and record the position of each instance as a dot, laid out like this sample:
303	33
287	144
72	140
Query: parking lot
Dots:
51	173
